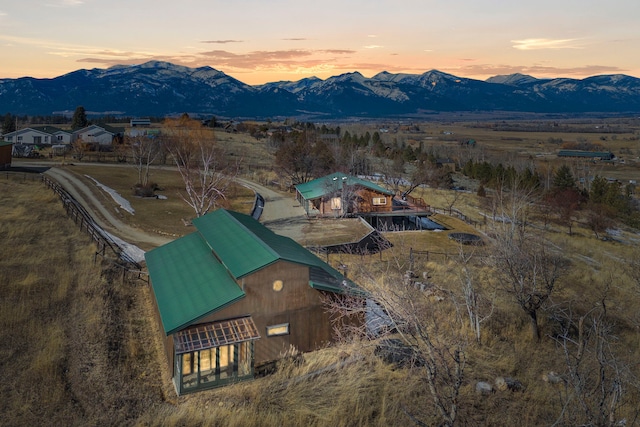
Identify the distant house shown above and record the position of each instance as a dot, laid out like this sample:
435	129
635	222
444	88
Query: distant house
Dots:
233	295
101	136
38	135
339	194
594	155
140	123
5	155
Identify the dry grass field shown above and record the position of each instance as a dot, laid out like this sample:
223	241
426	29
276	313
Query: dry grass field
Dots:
80	346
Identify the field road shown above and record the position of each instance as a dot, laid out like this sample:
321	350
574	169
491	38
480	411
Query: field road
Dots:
100	214
282	213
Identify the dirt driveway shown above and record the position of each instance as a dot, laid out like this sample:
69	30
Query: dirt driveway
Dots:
282	214
100	214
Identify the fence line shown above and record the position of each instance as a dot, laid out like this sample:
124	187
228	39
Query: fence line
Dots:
104	243
16	176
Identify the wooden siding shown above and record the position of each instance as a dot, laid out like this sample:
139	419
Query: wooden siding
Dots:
297	304
167	341
364	203
5	156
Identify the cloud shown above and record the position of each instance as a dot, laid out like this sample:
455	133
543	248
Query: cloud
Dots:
66	3
373	46
296	61
296	39
222	41
536	70
536	44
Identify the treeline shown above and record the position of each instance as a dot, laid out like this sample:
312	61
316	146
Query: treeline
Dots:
602	201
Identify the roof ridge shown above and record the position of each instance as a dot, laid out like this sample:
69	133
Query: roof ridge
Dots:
250	232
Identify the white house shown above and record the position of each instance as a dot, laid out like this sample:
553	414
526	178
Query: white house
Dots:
102	135
38	135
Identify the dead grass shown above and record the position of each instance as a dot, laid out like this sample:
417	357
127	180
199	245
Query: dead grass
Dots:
81	347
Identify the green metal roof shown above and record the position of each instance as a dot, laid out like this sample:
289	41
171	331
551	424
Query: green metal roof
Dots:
5	143
194	275
188	282
244	245
330	183
590	154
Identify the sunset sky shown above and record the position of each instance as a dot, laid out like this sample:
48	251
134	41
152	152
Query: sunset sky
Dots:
258	41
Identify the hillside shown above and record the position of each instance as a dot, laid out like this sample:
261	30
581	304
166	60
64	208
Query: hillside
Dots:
88	356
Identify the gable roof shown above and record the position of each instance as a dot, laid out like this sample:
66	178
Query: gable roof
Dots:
50	129
327	184
40	130
188	282
196	275
102	127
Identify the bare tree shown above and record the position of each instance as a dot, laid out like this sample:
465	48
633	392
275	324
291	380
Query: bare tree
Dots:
529	269
435	347
79	148
144	151
201	162
527	264
599	384
479	306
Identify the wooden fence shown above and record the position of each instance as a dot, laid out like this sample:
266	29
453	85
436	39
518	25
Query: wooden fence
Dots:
106	247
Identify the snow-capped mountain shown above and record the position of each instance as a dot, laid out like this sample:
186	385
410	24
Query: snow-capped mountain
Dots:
160	88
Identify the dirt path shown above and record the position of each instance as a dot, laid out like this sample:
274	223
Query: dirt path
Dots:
102	215
282	213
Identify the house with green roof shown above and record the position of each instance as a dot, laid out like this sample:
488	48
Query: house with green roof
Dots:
234	295
339	195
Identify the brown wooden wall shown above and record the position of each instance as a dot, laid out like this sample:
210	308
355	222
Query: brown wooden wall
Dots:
365	203
297	304
166	340
5	157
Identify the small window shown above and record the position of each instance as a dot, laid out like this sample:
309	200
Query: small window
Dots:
336	203
277	330
378	201
19	138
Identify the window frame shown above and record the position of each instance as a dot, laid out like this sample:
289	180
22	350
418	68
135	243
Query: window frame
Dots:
274	330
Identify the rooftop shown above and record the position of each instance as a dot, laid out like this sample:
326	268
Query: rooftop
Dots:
328	184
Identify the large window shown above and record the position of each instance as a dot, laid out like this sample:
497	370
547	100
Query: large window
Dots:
213	367
213	354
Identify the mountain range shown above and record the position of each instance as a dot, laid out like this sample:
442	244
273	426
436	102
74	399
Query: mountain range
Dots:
161	88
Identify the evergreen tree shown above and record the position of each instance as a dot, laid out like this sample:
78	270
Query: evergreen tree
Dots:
9	124
79	120
598	189
563	178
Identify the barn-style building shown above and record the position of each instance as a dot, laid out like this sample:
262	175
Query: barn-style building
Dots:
234	295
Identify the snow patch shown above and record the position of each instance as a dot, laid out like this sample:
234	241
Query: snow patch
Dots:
124	203
132	251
